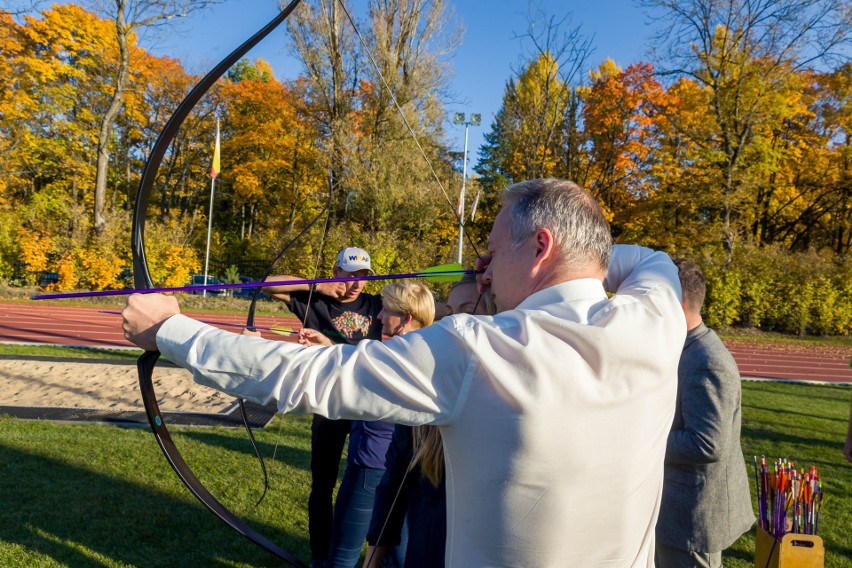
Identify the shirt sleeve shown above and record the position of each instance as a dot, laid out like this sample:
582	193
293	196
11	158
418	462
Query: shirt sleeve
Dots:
636	270
419	378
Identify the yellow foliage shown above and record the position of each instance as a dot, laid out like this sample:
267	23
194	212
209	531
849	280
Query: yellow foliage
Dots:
180	262
537	105
69	272
33	250
101	268
604	71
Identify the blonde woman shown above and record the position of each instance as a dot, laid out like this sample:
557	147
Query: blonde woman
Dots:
406	306
412	490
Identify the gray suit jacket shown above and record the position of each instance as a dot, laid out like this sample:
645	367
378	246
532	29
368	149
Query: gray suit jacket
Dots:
706	502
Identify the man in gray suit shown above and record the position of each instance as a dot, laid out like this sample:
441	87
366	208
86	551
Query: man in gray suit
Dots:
706	502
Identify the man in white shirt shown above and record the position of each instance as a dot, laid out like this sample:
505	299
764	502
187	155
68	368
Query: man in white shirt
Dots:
554	412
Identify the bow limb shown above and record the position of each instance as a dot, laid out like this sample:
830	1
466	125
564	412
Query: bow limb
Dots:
142	280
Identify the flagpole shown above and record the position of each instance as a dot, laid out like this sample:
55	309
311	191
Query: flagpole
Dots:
214	171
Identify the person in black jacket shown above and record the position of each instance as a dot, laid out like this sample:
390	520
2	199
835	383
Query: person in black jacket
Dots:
342	313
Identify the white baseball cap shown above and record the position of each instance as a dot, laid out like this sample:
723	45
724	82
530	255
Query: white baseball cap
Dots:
353	259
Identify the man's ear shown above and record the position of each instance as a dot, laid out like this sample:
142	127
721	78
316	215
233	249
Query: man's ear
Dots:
545	246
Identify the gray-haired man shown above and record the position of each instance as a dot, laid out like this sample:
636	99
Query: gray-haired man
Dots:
554	412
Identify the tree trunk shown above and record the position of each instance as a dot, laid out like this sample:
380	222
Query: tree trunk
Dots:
121	33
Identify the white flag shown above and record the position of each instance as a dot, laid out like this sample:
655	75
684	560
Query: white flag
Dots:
473	206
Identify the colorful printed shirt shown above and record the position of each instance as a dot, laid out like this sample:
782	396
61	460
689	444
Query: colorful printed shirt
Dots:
348	322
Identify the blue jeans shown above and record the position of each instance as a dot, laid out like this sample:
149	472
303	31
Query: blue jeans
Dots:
352	512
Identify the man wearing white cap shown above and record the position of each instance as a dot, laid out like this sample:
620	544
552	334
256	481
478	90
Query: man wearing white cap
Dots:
343	314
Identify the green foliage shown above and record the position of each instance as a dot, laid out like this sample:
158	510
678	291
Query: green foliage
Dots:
776	290
758	288
722	306
830	308
258	70
231	275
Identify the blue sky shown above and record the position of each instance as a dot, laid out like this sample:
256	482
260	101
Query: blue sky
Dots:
484	62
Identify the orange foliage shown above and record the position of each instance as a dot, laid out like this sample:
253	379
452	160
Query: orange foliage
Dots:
618	123
269	152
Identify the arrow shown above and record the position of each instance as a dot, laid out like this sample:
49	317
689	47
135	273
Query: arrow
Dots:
442	273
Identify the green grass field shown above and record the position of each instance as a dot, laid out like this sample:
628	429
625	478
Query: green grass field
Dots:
95	495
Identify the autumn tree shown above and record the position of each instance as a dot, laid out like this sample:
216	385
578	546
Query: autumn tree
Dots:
408	42
561	51
537	130
129	17
56	63
383	184
52	98
743	53
273	173
325	43
804	201
618	109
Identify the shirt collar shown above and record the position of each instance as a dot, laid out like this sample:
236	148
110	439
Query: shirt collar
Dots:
570	291
695	333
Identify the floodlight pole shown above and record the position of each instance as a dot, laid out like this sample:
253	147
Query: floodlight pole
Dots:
474	120
461	196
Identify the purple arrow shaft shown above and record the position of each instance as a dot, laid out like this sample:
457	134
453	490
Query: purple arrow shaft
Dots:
248	285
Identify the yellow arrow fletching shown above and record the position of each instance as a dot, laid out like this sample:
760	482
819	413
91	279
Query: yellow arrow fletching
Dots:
452	272
281	330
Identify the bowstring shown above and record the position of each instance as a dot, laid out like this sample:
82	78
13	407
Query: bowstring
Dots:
250	326
310	289
407	124
446	198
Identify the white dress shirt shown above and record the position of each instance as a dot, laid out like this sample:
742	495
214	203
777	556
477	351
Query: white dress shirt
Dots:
554	415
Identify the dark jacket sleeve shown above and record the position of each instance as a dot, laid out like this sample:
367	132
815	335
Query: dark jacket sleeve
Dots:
394	491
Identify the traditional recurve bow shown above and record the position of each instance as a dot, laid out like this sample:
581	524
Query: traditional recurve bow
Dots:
142	280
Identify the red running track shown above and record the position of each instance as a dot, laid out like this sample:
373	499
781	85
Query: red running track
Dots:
36	322
829	365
